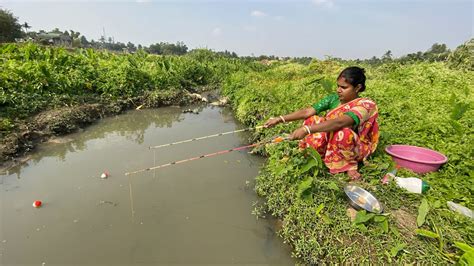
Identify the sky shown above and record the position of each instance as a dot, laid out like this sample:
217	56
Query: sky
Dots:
347	29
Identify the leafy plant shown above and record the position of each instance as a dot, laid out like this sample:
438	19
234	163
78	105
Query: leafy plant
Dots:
422	212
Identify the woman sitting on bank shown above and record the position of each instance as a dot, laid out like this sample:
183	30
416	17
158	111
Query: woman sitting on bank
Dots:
348	133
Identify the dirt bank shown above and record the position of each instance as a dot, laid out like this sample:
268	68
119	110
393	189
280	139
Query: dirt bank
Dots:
16	145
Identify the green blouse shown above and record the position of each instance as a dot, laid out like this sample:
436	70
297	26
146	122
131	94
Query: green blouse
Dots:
330	102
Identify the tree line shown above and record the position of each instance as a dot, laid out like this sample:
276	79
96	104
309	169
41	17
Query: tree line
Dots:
12	30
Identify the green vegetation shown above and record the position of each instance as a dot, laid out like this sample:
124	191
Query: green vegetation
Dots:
10	28
425	104
35	78
420	102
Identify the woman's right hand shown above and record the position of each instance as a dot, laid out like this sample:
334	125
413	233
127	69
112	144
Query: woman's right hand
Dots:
272	122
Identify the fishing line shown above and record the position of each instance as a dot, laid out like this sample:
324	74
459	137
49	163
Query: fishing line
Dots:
275	140
205	137
131	200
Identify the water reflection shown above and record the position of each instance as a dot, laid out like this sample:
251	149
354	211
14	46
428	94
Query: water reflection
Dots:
197	212
131	125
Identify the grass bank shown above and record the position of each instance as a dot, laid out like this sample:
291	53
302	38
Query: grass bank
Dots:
51	90
423	104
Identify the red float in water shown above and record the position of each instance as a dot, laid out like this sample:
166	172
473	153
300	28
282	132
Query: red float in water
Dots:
37	203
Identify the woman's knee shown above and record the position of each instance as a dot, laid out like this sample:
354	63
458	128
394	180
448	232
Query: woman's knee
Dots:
313	120
345	135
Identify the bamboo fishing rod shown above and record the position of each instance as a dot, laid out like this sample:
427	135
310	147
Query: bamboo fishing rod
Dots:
275	140
205	137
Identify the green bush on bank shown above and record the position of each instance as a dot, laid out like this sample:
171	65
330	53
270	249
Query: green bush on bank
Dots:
423	104
34	78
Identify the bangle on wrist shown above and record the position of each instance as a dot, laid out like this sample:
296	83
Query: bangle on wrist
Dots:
282	119
307	129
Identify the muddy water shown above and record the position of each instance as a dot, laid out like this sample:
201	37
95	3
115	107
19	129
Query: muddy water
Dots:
193	213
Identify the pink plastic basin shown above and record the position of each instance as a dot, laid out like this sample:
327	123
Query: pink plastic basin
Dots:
419	160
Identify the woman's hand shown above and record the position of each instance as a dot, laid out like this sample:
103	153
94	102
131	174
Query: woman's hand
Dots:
298	133
272	122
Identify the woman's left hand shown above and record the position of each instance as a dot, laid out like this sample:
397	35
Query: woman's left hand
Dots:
298	133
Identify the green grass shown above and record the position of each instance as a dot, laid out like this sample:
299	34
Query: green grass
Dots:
423	104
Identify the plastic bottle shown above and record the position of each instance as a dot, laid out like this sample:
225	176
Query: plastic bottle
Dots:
412	184
461	209
389	176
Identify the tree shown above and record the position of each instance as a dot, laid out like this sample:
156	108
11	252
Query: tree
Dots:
84	42
387	57
168	48
154	48
131	47
57	30
9	27
463	56
26	26
437	52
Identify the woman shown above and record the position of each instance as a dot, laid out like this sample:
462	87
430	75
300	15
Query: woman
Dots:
348	133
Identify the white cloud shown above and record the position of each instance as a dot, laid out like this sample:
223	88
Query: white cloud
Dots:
257	13
279	18
324	3
143	1
217	31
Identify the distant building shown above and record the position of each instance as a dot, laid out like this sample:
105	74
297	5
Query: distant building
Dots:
59	39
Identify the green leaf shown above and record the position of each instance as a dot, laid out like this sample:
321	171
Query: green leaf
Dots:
467	259
319	209
459	109
331	185
363	217
396	249
464	247
361	227
315	155
305	185
310	164
427	233
307	196
456	125
380	218
384	226
326	219
422	212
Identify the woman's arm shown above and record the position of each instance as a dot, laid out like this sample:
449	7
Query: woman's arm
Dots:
326	126
298	115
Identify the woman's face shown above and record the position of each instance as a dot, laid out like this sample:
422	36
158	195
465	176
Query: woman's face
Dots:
346	91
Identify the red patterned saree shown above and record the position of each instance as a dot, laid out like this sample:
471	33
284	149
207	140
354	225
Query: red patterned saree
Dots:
343	149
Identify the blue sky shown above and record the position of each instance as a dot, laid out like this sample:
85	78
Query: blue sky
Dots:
316	28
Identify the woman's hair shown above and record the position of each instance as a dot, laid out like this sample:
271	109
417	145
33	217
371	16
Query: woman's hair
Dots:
354	76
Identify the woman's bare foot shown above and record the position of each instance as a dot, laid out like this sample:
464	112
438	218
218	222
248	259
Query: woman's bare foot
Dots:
354	175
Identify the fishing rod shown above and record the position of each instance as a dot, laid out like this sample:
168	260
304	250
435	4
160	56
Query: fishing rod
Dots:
275	140
205	137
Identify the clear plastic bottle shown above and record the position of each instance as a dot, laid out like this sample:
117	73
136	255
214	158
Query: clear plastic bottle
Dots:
412	184
460	209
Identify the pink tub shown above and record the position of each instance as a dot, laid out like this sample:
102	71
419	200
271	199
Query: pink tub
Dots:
419	160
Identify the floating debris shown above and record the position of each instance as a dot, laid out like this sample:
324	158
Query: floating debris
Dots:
221	102
37	203
198	97
193	111
104	175
107	202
